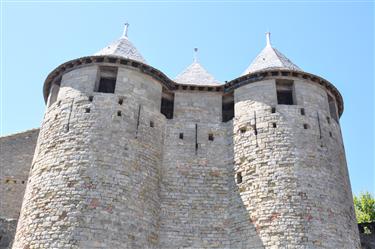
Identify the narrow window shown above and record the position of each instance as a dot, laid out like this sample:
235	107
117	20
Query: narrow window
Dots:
239	177
227	105
273	110
285	92
151	123
328	120
303	111
119	113
274	125
120	101
332	108
305	126
181	136
243	129
211	137
87	110
91	98
23	182
107	80
330	134
167	104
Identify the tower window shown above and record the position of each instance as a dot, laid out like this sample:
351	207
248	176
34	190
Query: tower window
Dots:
332	108
107	80
87	110
152	124
285	92
119	113
273	125
181	135
167	104
227	107
120	101
273	110
306	126
303	111
211	137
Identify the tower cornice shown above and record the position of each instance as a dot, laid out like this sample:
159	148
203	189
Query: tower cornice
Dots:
171	85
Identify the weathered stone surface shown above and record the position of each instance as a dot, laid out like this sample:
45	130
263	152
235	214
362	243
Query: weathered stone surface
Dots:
16	154
7	231
295	180
116	174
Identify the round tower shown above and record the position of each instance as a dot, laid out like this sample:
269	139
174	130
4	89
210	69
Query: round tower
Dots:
96	170
127	158
289	156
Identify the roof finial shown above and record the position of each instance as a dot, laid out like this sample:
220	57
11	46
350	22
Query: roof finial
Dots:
125	33
268	38
195	54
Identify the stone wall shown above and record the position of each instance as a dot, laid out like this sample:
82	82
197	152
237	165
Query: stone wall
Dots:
195	174
7	231
16	152
110	171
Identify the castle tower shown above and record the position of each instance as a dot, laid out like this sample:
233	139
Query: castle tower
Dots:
95	175
128	158
289	156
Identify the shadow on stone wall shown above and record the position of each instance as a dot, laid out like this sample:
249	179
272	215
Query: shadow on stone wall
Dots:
367	235
243	231
7	232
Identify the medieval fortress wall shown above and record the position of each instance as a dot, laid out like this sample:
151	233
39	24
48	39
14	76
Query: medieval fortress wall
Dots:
111	170
17	152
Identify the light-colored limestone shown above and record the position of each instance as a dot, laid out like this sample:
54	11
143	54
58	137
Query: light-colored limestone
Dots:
117	175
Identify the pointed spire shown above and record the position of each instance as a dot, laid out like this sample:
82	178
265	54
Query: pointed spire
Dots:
195	55
125	33
270	58
122	47
268	39
196	74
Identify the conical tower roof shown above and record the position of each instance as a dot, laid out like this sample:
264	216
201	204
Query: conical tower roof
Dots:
196	74
123	47
270	58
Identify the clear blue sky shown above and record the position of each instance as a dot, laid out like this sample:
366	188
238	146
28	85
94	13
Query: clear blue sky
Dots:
334	40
